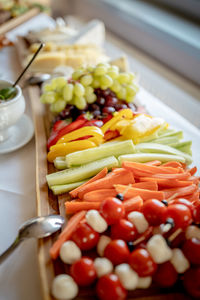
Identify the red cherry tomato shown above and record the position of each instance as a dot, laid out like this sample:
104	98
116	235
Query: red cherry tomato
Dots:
165	275
184	202
181	215
109	287
196	213
191	282
112	209
117	251
83	271
154	211
125	230
141	261
191	249
85	237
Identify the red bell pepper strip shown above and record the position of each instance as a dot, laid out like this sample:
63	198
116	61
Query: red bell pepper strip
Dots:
111	134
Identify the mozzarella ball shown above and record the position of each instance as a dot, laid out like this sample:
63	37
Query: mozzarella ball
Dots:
102	243
179	261
144	282
138	219
103	266
70	252
64	287
158	249
127	276
192	232
96	221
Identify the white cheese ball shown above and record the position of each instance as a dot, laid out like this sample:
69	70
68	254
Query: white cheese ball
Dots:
102	243
127	276
192	232
138	219
96	221
103	266
70	252
64	287
158	249
144	282
179	261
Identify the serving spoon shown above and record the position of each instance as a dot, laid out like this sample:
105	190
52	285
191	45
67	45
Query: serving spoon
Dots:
38	227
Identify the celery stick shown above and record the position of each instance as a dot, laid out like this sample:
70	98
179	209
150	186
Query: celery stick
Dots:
60	163
183	146
145	157
63	188
159	148
89	155
165	140
80	173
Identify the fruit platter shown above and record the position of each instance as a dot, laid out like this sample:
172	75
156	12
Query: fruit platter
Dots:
124	182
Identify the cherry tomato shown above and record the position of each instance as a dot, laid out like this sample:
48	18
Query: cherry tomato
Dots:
181	215
141	261
196	213
85	237
154	211
112	209
191	249
83	271
184	202
165	275
124	229
191	282
109	287
117	251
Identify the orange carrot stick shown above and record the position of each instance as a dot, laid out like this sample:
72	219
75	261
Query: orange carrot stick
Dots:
133	204
148	169
194	197
166	183
153	163
99	195
130	192
193	171
194	179
101	174
180	192
66	233
123	177
173	164
149	185
73	207
180	176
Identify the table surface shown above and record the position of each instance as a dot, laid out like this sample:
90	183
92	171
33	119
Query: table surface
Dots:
19	275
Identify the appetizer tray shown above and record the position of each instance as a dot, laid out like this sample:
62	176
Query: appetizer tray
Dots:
13	23
47	204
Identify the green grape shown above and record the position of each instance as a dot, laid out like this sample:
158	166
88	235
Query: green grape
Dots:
77	74
106	81
79	89
131	90
58	83
90	69
131	77
88	90
113	72
130	98
100	70
91	98
116	86
96	83
48	97
58	106
104	64
123	78
47	88
86	80
68	92
122	93
80	102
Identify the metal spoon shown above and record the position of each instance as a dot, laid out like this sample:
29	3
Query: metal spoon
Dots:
38	227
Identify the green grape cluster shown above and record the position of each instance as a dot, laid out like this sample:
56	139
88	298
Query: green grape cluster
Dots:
80	90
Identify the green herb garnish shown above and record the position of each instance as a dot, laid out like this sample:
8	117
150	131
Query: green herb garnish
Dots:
7	93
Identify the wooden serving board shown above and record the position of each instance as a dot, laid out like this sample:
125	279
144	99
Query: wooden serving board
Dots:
13	23
47	204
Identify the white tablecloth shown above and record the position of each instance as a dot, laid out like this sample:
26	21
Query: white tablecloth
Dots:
19	276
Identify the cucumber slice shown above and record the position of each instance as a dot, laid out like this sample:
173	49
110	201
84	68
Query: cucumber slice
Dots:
89	155
60	163
159	148
63	188
80	173
145	157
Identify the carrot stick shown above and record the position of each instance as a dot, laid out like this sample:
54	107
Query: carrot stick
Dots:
149	185
173	164
193	171
194	197
180	176
123	177
133	192
73	207
183	191
99	195
101	174
133	204
166	183
149	169
66	233
153	163
194	179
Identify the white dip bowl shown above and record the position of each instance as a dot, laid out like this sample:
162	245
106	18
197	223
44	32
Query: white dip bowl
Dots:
10	110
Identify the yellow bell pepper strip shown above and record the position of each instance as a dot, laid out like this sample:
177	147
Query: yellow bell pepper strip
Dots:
120	115
92	131
66	148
